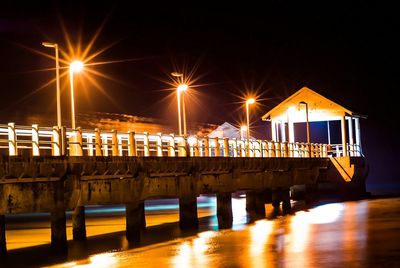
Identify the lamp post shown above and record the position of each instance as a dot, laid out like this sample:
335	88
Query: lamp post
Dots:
248	102
307	123
74	67
55	46
179	91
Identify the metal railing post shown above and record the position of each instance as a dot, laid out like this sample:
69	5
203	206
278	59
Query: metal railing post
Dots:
56	142
35	140
114	143
234	147
171	146
12	140
159	144
146	147
131	144
97	142
206	146
182	147
196	147
217	147
226	147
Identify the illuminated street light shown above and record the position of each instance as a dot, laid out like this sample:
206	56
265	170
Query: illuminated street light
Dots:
55	46
75	67
248	102
181	89
307	123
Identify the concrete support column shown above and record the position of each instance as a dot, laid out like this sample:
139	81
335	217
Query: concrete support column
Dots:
135	220
343	130
58	229
281	195
188	218
3	245
358	136
224	210
255	205
79	224
273	130
283	131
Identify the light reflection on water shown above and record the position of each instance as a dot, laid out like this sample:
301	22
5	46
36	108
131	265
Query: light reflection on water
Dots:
351	234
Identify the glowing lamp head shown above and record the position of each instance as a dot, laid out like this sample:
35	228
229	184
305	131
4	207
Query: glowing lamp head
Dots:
243	128
250	101
182	87
48	44
76	66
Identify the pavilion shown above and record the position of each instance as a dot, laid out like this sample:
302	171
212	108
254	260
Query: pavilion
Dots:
305	106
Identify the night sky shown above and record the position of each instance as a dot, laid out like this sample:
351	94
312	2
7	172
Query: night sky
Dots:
346	52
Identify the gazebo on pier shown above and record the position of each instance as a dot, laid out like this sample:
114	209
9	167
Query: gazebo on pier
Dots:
305	106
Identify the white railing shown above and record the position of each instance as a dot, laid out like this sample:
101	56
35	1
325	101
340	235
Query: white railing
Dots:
35	141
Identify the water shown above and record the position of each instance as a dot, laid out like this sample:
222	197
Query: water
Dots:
362	233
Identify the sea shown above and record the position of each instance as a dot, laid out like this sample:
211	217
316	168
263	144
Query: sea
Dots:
362	233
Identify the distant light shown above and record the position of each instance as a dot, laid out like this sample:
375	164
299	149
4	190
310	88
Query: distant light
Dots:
243	128
250	101
182	87
76	66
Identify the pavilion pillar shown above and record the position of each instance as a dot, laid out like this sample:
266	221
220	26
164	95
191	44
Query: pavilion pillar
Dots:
283	131
343	130
358	135
273	130
351	140
3	246
329	131
291	131
224	210
79	224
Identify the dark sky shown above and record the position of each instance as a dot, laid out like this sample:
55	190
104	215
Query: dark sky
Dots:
347	52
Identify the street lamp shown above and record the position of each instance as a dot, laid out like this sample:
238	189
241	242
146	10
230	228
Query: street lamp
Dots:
181	89
307	123
55	46
75	67
248	102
